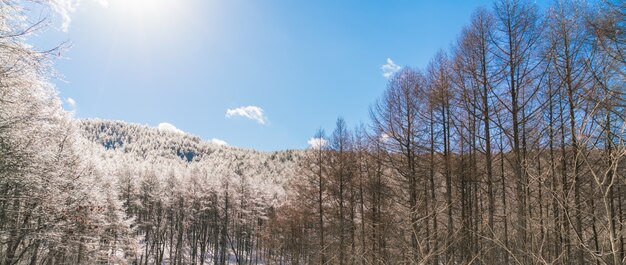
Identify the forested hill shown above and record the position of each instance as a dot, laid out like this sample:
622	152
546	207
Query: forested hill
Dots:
145	141
170	196
142	142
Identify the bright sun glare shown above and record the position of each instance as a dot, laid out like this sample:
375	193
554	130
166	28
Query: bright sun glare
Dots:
146	11
151	6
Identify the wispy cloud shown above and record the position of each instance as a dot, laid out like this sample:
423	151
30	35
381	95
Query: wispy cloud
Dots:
317	143
218	142
251	112
168	127
65	8
390	68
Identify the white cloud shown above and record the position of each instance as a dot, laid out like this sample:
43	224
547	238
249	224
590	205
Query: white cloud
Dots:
65	8
168	127
218	142
390	68
250	112
317	143
71	102
70	105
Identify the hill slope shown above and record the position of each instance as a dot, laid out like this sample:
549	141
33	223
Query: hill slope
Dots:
142	142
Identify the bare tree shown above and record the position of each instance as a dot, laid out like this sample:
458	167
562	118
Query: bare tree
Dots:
395	118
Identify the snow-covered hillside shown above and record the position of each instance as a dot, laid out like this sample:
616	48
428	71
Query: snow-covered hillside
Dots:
145	143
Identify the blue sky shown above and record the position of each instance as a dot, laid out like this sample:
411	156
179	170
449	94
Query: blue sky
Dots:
188	62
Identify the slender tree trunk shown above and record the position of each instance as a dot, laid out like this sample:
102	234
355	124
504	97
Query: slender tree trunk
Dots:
504	205
488	159
445	113
320	201
565	187
432	189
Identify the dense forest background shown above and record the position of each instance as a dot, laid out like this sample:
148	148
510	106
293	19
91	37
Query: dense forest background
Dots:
508	148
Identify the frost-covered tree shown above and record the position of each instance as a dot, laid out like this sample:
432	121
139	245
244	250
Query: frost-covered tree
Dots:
48	211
